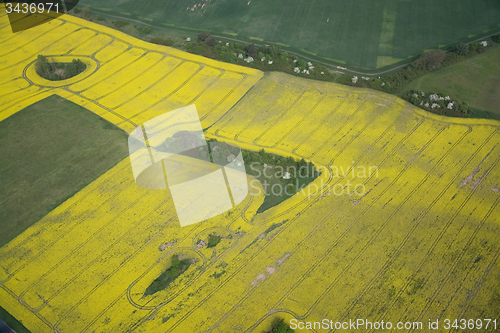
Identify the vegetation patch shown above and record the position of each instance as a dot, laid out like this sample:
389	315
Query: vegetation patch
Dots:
177	268
438	103
264	58
213	240
281	177
120	24
50	151
162	41
56	71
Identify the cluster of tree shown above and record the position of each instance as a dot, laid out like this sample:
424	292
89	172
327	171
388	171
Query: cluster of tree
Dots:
85	13
206	38
265	58
162	41
438	103
305	170
58	71
221	151
121	24
465	50
177	267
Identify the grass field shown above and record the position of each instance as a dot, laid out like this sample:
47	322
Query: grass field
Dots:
476	80
50	151
419	242
363	34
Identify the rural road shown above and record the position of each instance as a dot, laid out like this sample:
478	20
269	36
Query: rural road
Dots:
328	65
4	328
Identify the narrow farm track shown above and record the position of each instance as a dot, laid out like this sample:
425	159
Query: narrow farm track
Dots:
337	253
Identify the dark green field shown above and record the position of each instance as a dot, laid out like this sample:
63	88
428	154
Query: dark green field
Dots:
51	150
363	34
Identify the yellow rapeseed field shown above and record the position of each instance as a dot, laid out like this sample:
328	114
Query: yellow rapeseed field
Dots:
402	224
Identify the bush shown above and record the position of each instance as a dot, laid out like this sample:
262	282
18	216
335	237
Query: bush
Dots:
430	60
120	24
76	10
99	18
146	30
496	38
175	262
464	107
473	47
197	49
162	41
272	50
208	53
462	49
251	50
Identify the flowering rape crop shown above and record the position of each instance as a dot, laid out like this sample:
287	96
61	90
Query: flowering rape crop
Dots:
420	243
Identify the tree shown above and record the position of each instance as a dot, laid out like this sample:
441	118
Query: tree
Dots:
203	36
208	53
462	49
86	13
79	66
213	240
282	327
251	50
42	66
175	262
496	38
146	30
210	41
70	70
301	63
464	107
473	47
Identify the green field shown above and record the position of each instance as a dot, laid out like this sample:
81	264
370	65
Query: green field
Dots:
12	322
365	34
475	80
51	150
